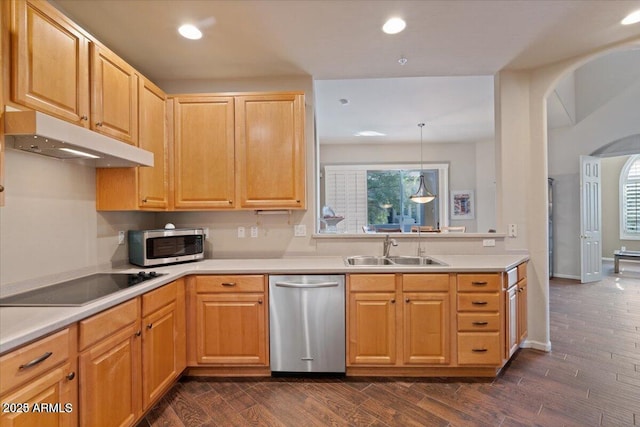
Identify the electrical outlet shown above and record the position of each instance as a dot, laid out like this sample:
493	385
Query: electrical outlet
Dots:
121	236
299	230
513	230
254	231
488	243
241	232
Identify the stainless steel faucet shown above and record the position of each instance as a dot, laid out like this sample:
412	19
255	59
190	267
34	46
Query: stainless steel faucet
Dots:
386	245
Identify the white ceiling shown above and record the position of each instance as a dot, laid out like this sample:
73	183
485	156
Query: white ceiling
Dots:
341	40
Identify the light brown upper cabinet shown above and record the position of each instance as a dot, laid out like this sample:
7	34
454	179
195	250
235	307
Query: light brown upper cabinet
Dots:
50	66
114	96
203	161
141	188
270	155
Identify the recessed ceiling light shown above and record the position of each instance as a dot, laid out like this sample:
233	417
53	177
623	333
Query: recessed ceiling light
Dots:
190	32
369	133
394	26
632	18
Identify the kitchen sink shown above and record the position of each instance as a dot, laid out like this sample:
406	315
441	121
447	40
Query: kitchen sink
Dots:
371	260
414	260
368	260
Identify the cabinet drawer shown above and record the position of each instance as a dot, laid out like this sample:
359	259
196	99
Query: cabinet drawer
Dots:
207	284
372	282
522	271
479	302
479	348
30	361
425	282
474	322
109	321
158	298
478	282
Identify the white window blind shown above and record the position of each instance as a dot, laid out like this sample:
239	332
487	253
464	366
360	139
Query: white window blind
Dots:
632	198
345	190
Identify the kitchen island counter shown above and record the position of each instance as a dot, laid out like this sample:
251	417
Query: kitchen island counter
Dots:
20	325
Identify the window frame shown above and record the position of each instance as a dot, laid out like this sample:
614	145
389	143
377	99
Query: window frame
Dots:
443	180
624	179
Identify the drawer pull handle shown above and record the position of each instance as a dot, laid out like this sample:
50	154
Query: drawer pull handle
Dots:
71	376
36	361
479	303
479	350
228	283
480	323
479	283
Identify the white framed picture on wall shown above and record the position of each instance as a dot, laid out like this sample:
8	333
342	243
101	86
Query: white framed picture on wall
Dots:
462	204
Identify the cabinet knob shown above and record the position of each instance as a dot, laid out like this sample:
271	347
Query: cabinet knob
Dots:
98	123
150	325
1	188
138	333
407	300
85	118
230	202
71	376
259	301
393	301
144	200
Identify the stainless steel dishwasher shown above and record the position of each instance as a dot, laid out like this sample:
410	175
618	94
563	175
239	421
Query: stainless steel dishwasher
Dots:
307	324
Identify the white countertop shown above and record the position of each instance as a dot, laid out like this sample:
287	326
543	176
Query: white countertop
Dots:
20	325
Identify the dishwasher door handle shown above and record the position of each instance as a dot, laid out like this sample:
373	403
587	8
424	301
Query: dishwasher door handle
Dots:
307	285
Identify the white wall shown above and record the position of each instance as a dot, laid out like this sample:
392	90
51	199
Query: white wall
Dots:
49	224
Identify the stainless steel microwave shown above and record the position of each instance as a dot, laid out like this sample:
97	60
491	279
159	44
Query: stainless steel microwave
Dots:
149	248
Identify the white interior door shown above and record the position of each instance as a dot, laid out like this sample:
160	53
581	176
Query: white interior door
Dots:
590	220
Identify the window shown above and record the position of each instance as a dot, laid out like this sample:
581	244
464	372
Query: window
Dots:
630	199
371	197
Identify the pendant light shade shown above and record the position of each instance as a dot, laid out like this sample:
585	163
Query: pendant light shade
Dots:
422	195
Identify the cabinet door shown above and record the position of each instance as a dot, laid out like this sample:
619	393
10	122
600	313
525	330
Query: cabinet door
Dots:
372	328
426	328
52	392
159	353
110	390
153	183
231	329
114	96
203	152
522	310
50	70
270	165
512	321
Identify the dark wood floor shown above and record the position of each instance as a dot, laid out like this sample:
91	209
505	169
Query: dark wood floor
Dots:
590	378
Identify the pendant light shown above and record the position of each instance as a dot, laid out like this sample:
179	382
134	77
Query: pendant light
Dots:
422	195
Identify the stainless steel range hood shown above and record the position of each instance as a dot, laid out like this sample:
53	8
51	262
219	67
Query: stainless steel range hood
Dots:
40	133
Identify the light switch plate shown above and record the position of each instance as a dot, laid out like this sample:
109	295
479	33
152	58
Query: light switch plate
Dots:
241	232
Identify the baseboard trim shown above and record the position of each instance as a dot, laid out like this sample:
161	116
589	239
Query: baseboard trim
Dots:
566	276
537	345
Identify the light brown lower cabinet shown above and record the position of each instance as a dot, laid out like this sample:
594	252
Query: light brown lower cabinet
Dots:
399	320
127	361
228	321
38	383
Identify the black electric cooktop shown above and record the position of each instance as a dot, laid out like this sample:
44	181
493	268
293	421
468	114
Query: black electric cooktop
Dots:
77	292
